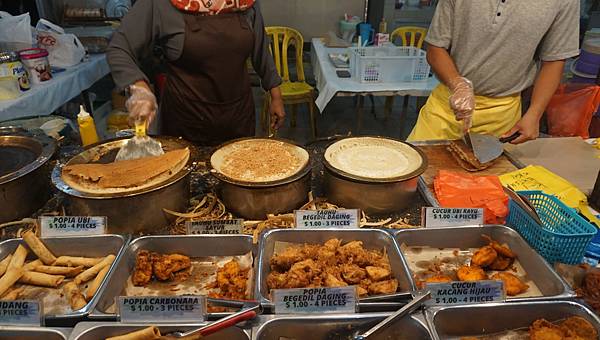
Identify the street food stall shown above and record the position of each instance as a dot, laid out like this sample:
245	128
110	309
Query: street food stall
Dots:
165	236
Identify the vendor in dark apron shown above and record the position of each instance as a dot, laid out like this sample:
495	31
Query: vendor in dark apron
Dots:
207	98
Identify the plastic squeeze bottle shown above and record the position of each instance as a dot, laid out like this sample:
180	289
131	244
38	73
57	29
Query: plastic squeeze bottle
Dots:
87	128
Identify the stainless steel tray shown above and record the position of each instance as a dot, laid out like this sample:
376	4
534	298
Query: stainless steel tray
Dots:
476	320
102	330
16	332
372	239
190	245
88	246
538	270
340	326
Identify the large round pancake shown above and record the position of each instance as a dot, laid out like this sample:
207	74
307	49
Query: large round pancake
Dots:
125	176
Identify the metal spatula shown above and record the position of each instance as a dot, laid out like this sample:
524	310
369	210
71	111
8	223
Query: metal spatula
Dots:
140	145
486	148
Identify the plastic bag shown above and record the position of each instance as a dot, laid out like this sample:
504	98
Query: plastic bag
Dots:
457	190
65	49
15	28
571	109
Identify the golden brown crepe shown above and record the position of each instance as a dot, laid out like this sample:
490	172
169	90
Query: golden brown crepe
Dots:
125	176
465	157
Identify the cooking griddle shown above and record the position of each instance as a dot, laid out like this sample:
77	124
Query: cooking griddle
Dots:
16	153
440	159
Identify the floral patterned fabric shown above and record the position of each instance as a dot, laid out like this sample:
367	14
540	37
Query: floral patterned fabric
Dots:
212	7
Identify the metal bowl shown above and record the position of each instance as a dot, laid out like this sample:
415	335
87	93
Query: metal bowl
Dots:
255	200
24	185
372	195
130	212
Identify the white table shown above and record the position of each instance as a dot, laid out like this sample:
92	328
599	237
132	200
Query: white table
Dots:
43	99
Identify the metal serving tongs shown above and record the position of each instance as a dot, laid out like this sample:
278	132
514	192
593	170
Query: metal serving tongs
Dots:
140	145
408	308
226	322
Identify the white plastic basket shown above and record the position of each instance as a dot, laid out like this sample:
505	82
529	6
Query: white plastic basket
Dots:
388	64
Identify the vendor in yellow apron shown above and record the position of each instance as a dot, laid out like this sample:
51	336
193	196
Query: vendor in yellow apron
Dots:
500	48
493	116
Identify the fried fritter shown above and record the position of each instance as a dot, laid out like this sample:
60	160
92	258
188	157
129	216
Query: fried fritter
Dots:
142	273
231	282
512	284
276	280
580	327
501	263
301	274
499	248
544	330
438	278
484	256
164	266
352	273
377	274
284	260
471	273
353	252
332	281
383	287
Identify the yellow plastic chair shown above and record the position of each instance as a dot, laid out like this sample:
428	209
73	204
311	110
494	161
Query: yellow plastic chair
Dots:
409	36
293	92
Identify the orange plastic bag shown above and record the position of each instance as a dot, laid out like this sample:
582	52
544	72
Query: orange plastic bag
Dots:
571	109
456	190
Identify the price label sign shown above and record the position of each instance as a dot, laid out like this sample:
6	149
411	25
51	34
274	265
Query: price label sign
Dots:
451	217
345	218
315	300
72	225
215	227
459	293
20	312
170	309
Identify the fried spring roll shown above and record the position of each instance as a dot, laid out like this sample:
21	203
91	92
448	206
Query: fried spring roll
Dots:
4	264
90	273
38	247
18	258
148	333
10	278
76	261
13	294
54	270
41	279
74	296
93	287
31	266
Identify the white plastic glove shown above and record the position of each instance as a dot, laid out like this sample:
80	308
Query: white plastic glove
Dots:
462	100
141	104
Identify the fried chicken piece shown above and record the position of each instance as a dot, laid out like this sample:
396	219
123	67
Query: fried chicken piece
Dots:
544	330
383	287
142	273
377	274
165	265
301	274
580	327
471	273
284	260
499	248
501	263
484	256
332	281
352	273
512	284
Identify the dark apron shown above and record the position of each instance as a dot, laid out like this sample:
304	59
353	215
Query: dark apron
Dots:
207	99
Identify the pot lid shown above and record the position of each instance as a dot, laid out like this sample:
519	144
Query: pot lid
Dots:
259	160
22	152
375	159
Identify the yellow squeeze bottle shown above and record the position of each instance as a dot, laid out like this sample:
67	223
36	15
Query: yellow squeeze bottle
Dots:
87	128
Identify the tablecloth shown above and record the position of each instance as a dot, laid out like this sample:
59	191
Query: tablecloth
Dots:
329	84
45	98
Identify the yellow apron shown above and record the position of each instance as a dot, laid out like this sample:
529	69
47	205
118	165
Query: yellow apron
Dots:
494	116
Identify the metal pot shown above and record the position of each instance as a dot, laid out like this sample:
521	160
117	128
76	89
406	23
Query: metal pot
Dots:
373	196
256	200
24	184
132	212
